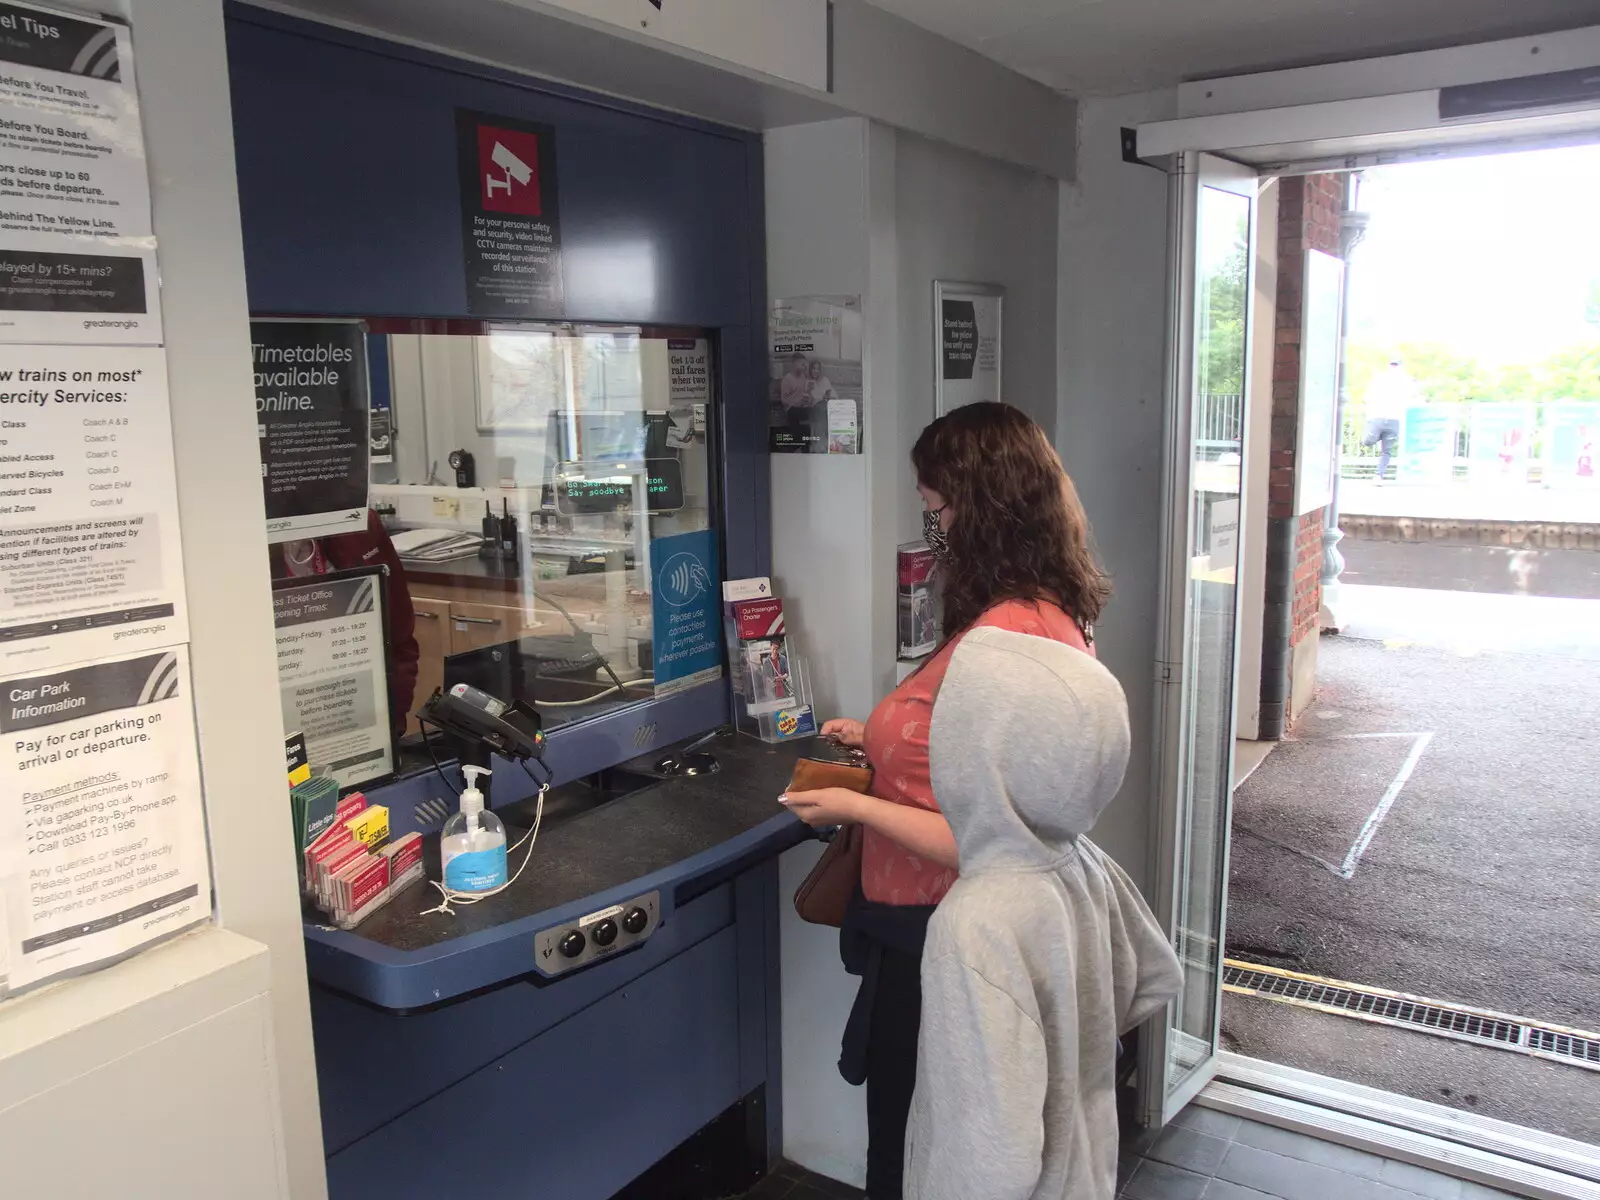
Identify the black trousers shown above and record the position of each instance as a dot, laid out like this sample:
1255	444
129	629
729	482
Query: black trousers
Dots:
891	1070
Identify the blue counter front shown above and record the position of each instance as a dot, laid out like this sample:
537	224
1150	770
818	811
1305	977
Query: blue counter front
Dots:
431	1029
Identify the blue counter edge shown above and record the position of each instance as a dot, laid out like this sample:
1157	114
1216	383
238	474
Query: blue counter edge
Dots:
414	979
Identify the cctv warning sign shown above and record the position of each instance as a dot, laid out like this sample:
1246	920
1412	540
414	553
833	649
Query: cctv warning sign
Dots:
510	218
508	171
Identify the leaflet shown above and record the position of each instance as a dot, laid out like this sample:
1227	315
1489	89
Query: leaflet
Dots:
77	259
90	557
333	674
71	148
102	830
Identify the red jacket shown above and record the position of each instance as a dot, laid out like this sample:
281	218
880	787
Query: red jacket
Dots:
371	548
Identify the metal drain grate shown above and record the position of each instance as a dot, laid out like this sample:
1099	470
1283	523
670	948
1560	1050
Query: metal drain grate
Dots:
1413	1012
1570	1047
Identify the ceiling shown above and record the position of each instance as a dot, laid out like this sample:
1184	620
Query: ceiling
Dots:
1112	47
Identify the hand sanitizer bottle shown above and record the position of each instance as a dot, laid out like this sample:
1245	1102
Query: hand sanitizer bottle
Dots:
473	847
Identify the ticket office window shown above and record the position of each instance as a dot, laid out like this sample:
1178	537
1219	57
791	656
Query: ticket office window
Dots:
529	470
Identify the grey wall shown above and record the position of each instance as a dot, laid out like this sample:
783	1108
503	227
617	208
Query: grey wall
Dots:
967	218
1112	370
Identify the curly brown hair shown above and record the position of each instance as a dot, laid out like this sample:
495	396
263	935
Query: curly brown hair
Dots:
1018	530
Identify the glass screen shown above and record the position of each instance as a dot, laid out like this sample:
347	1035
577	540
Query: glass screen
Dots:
528	478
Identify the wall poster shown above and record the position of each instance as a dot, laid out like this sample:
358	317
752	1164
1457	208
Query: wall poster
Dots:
77	260
1318	433
510	216
1571	429
967	319
815	392
90	558
689	385
102	829
312	411
333	673
1428	444
1499	439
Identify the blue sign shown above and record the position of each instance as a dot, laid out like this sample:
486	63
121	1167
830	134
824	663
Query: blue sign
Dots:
1428	444
685	611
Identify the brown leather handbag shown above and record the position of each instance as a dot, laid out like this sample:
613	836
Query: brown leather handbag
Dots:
825	893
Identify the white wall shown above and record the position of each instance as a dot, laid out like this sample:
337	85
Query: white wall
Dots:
1112	354
152	1080
183	86
819	242
856	208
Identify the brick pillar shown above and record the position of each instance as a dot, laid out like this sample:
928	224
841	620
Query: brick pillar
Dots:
1309	209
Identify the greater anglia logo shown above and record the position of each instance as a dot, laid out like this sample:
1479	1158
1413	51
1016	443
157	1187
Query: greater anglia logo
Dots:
508	171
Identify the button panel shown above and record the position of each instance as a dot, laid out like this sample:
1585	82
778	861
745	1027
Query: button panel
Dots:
601	934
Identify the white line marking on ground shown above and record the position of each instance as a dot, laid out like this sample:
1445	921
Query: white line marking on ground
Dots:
1369	829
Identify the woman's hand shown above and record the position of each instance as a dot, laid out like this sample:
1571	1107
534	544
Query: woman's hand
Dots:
846	732
822	807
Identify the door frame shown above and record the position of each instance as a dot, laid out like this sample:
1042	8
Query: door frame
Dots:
1191	173
1304	139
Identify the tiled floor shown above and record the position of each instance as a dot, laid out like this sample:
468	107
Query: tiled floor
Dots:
1208	1155
790	1182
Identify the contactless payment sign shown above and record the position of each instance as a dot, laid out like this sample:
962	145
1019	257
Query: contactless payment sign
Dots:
510	216
687	647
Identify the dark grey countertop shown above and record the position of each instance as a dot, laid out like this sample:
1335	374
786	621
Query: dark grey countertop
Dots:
610	844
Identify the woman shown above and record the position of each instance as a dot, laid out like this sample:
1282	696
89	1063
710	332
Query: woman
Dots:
1014	552
820	387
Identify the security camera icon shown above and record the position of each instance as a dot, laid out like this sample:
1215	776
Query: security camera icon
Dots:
513	166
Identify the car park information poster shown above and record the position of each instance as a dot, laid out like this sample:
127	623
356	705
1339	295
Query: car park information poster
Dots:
102	833
77	259
90	557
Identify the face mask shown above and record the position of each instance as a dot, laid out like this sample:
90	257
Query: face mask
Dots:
938	540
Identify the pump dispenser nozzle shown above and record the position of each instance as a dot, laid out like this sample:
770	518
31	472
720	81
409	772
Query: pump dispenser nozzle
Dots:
472	797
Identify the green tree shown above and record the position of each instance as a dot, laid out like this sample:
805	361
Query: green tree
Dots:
1223	297
1570	374
1445	375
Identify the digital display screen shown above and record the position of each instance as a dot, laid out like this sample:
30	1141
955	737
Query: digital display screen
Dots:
595	489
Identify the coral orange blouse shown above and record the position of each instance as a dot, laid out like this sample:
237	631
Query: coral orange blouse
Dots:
897	747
